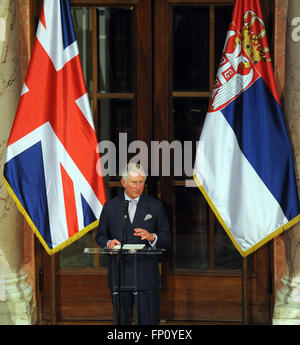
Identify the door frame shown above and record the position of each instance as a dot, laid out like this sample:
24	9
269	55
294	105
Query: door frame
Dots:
52	281
156	93
251	281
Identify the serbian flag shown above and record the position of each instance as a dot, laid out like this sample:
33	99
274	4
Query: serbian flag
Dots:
244	166
50	166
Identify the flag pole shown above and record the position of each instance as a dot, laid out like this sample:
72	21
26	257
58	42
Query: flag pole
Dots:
53	292
245	290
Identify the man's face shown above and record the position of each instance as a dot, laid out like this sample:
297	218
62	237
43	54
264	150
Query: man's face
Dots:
134	186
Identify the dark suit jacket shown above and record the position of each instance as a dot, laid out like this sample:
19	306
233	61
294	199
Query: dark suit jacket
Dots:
111	226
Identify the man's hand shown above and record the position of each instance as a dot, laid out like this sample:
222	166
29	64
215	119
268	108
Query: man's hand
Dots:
112	243
144	234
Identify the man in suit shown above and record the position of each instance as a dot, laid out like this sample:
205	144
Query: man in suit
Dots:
146	224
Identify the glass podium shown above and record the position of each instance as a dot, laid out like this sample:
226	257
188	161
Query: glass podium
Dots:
116	255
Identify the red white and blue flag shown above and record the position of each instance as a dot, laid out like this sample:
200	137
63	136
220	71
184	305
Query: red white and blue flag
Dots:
50	166
247	173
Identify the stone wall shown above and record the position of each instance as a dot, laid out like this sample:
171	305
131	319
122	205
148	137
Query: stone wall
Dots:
287	304
16	294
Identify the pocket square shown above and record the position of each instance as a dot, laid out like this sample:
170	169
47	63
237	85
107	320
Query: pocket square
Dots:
148	216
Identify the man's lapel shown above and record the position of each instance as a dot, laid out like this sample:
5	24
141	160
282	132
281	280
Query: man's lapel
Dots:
119	215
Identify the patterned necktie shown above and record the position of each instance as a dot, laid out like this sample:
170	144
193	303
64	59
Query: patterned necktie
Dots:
132	209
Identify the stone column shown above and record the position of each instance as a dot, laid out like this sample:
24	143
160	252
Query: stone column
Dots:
287	304
16	294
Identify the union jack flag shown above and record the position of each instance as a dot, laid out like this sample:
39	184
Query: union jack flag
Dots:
50	166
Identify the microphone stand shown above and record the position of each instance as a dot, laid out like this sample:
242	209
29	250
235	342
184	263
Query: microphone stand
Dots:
119	259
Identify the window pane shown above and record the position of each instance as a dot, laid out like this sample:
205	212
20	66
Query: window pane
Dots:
73	255
115	125
83	27
191	229
226	255
189	115
222	21
191	48
115	49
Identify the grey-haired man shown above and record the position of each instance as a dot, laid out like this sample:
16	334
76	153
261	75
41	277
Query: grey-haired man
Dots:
147	224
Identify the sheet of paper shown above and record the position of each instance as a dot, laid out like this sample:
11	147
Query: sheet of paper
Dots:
129	246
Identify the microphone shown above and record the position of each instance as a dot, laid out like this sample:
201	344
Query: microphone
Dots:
126	209
125	215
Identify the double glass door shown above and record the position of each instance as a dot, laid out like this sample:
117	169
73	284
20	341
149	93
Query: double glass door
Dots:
149	68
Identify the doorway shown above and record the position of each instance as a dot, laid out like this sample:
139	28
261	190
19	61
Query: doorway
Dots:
149	67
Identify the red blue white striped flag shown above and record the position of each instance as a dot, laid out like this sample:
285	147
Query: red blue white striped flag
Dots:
247	174
50	166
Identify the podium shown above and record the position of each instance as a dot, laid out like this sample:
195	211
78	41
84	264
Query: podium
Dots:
116	255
